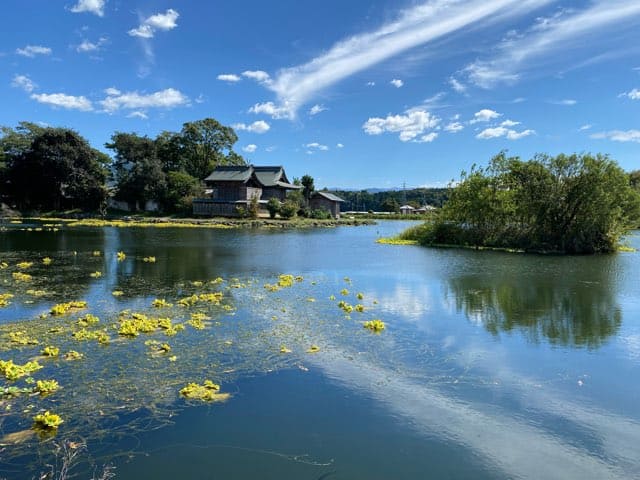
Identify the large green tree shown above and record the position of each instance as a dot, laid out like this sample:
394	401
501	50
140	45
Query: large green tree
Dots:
308	187
137	170
207	144
52	169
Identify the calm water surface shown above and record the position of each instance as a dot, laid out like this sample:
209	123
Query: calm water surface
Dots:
492	365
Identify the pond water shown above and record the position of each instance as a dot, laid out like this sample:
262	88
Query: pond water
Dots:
491	365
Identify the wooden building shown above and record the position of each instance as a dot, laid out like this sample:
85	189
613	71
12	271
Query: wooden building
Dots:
326	201
231	187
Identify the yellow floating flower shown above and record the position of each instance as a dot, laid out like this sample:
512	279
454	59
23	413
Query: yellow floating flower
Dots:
24	265
47	420
121	256
13	371
96	253
47	261
73	355
21	277
344	292
45	387
64	308
313	349
95	274
284	349
149	259
50	351
117	293
376	326
208	392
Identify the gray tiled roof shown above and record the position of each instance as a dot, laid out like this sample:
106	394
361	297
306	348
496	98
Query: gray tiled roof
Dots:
329	196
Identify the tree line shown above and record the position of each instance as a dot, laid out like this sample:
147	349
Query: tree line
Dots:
391	200
47	168
567	203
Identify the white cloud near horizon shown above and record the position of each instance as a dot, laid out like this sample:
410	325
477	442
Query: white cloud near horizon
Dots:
61	100
228	77
23	82
256	127
138	114
316	109
259	76
33	50
167	99
415	26
509	134
633	94
619	136
87	46
250	148
91	6
160	21
485	115
563	31
412	126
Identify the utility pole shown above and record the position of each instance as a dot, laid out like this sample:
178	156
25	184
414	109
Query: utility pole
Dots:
404	193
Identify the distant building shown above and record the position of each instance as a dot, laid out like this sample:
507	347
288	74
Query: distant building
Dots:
407	210
231	187
326	201
425	209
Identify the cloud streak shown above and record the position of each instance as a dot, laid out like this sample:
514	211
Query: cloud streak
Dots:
564	31
415	26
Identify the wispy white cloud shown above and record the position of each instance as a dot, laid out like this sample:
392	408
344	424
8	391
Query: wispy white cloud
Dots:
563	31
485	115
396	82
509	123
414	26
167	99
453	127
256	127
370	84
250	148
23	82
585	127
228	77
339	145
569	102
33	50
413	125
270	108
160	21
509	134
633	94
457	85
619	135
316	109
317	146
259	76
138	114
91	6
87	46
68	102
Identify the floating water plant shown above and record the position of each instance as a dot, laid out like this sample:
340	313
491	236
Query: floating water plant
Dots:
197	320
121	256
73	355
360	296
24	265
208	392
161	303
376	326
88	320
83	335
13	371
4	299
214	298
47	261
96	253
50	351
344	292
117	293
64	308
313	349
47	420
396	241
36	293
95	274
45	387
284	349
149	259
21	277
359	308
21	338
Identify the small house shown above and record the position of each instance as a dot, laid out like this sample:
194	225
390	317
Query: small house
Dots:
232	187
407	210
326	201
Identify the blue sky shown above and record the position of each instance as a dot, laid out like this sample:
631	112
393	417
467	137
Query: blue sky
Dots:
358	94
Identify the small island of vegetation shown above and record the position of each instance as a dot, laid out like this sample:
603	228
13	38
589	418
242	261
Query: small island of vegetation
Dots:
573	204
